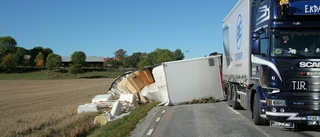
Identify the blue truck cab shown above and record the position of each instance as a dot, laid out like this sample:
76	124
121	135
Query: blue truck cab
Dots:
271	63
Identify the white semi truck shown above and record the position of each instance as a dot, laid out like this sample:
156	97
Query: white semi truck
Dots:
271	60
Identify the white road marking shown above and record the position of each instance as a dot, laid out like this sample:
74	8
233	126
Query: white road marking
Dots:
150	132
250	123
233	110
163	111
158	119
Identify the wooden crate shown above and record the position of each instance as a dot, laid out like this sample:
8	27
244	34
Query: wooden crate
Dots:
146	76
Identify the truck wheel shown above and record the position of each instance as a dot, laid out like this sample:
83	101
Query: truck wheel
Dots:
257	120
235	103
229	96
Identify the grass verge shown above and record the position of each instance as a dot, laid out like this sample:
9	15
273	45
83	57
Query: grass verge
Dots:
83	125
123	127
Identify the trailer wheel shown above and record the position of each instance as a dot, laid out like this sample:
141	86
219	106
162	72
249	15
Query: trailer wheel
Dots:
235	103
229	96
257	120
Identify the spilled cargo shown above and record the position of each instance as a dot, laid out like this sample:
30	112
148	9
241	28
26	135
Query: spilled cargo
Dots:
169	83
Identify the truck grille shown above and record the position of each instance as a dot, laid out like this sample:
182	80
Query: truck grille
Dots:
306	102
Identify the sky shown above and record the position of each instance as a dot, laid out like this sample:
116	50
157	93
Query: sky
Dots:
101	27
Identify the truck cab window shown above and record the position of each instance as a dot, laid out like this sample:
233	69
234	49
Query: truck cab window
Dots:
295	43
263	44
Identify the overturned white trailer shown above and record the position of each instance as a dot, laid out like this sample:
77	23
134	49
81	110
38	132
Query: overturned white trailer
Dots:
175	82
186	80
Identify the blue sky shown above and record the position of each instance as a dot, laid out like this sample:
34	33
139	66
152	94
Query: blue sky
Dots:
101	27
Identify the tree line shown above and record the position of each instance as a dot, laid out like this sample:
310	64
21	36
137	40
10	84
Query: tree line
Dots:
141	59
13	57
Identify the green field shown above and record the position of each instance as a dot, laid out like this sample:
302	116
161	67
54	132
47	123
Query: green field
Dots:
45	75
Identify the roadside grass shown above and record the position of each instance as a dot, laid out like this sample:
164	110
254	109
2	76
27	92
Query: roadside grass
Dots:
80	125
29	76
123	127
45	75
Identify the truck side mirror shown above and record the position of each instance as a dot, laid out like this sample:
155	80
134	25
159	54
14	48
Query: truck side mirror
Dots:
255	43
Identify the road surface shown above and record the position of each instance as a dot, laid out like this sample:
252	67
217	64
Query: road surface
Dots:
214	120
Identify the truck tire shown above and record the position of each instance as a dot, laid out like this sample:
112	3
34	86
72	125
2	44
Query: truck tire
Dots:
257	120
229	95
235	103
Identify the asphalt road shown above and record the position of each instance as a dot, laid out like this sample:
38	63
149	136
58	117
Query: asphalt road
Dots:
214	120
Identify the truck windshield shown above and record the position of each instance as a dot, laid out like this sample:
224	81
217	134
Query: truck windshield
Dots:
296	43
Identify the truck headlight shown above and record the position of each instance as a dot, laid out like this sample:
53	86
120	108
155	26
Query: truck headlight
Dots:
276	102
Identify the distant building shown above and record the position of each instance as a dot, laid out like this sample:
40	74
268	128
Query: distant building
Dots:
91	61
26	57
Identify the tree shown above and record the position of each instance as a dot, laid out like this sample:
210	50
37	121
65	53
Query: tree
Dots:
78	60
8	62
21	52
127	62
46	52
161	55
164	55
135	58
132	61
53	62
7	45
78	57
120	54
178	55
40	60
35	51
75	69
144	62
139	59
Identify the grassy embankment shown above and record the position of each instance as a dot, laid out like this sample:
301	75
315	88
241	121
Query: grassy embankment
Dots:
118	128
123	127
